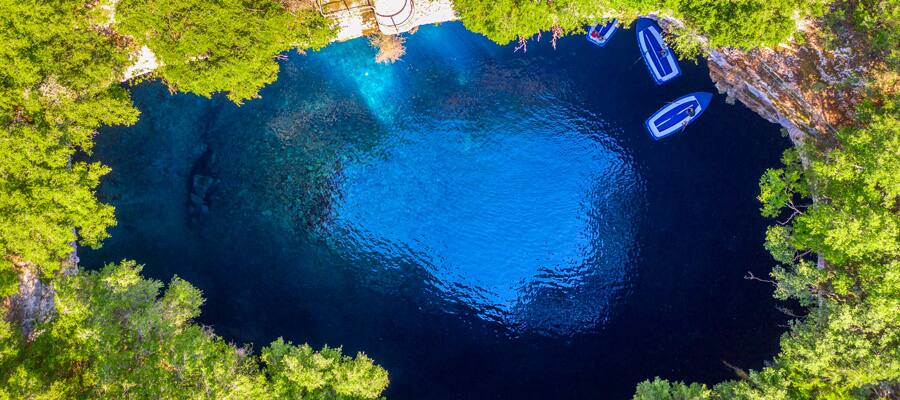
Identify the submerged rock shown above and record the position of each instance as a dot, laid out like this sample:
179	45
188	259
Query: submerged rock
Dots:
201	184
201	187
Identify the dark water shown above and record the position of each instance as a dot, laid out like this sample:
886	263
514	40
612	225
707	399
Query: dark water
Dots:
483	223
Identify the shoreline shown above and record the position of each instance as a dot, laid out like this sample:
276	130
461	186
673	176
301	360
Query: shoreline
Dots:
350	25
777	96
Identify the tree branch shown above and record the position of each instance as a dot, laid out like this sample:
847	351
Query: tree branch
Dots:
750	277
737	371
788	312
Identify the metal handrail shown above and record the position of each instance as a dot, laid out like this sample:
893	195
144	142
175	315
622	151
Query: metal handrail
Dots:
351	6
394	23
347	7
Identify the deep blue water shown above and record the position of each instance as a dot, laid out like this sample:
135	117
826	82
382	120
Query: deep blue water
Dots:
484	223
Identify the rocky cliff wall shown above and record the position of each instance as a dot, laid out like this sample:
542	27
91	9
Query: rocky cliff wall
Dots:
801	86
34	303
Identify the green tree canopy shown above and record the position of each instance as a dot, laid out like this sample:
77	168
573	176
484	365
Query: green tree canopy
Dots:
57	65
661	389
114	336
221	46
737	23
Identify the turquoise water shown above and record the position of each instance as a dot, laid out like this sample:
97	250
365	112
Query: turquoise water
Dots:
484	223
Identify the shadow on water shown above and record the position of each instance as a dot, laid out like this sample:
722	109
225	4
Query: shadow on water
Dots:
485	224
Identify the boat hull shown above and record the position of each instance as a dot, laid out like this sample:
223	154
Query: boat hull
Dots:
603	32
660	60
675	116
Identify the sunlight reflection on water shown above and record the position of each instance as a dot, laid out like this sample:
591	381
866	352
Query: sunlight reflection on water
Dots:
527	219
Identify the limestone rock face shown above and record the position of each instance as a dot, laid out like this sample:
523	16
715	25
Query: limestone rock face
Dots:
802	86
34	303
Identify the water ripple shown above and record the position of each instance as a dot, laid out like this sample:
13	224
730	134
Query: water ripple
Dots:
525	218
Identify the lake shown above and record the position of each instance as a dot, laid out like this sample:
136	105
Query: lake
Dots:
484	223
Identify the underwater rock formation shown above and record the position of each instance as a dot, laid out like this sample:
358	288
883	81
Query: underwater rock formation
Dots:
200	186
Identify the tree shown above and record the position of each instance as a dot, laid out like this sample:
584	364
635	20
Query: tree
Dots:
300	372
222	46
736	23
744	23
114	336
56	68
661	389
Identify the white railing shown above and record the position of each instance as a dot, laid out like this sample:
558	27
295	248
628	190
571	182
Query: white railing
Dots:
392	14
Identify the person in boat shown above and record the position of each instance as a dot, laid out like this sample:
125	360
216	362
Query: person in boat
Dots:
663	53
691	113
595	34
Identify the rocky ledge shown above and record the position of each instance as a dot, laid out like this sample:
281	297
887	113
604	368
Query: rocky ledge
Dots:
808	90
34	303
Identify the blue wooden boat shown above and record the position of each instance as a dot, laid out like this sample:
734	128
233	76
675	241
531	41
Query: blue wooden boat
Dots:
659	58
600	34
675	116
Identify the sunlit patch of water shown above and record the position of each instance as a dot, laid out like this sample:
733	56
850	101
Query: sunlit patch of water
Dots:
528	220
376	84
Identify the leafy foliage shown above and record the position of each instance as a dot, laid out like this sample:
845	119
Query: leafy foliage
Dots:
738	23
300	372
221	46
661	389
687	43
54	56
880	20
855	225
780	188
56	67
115	337
506	20
743	23
850	342
841	351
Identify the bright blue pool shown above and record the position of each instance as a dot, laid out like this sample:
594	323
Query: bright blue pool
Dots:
483	223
